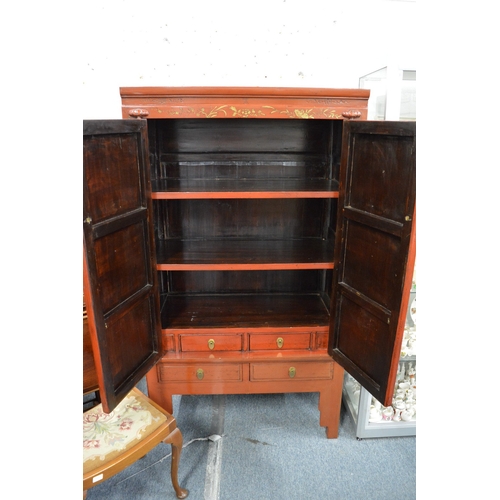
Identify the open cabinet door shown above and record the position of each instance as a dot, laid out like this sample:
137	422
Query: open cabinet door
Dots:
374	253
119	279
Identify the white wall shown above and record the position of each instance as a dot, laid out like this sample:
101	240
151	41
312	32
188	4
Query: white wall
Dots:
287	43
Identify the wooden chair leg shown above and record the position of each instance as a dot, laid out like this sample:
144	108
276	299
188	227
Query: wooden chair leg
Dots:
175	439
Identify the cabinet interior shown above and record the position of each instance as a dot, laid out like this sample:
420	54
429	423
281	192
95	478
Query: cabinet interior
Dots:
245	214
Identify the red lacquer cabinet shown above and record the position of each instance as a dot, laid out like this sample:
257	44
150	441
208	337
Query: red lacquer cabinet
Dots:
248	240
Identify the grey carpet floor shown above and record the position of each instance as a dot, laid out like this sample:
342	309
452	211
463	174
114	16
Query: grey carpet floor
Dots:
271	447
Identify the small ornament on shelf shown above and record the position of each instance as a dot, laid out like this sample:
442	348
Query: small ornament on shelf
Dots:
411	373
409	342
387	413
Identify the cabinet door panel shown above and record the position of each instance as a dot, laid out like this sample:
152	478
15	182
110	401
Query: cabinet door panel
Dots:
119	282
375	251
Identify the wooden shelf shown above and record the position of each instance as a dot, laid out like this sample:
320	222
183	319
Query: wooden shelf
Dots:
243	311
243	254
230	188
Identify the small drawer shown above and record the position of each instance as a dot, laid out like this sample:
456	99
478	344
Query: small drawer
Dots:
200	372
210	343
284	342
301	370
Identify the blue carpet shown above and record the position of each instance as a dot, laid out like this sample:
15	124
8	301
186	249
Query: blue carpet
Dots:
272	447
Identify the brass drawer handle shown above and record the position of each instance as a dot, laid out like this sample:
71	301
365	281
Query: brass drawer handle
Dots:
291	372
211	344
200	373
279	342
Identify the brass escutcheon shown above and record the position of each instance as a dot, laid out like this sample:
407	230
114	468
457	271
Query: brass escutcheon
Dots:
200	373
291	372
211	343
279	342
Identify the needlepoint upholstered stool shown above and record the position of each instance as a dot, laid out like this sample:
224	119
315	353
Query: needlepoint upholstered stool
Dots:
112	442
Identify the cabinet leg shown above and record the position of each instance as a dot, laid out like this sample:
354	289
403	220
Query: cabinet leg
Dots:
175	439
157	392
330	401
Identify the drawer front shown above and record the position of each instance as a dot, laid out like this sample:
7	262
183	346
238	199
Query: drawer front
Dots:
285	341
200	372
209	343
291	371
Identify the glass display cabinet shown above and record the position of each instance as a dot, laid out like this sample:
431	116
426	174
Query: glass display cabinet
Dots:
392	97
393	93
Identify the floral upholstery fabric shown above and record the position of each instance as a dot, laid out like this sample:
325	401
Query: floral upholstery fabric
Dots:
105	435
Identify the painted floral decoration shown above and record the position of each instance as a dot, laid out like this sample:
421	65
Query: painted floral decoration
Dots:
104	433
